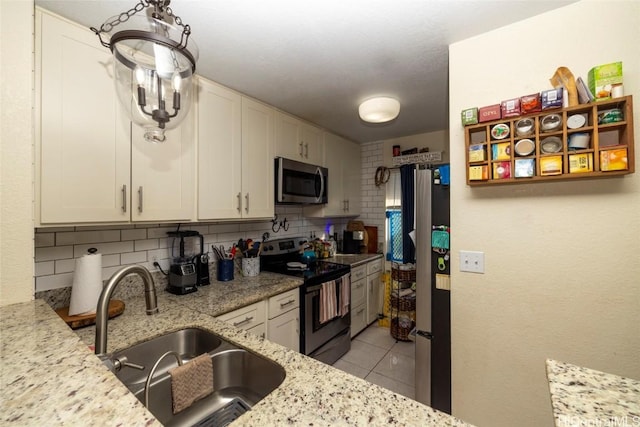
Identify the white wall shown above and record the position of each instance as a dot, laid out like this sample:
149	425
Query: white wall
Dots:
562	272
16	158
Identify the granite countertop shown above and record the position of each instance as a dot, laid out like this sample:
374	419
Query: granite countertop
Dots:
582	396
50	377
353	259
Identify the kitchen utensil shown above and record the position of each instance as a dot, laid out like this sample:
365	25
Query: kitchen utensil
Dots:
225	270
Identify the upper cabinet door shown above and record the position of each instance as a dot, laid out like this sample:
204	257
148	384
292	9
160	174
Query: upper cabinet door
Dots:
82	142
163	175
219	152
257	159
333	155
297	140
352	177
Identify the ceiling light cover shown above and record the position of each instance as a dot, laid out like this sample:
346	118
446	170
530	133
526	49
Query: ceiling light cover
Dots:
154	63
379	110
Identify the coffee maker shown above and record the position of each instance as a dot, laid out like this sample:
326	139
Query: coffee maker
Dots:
351	241
186	261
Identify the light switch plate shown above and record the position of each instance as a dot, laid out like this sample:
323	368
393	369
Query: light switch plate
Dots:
472	261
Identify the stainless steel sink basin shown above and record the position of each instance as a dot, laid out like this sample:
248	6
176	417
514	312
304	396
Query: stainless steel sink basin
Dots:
240	378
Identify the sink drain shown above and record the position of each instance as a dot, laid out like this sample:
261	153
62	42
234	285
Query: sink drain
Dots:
226	415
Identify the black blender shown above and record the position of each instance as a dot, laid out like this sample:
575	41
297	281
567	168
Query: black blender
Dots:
183	272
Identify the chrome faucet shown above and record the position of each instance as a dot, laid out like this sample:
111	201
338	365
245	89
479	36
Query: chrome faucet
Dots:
102	310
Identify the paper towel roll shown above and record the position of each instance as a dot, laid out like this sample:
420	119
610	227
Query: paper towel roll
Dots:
87	284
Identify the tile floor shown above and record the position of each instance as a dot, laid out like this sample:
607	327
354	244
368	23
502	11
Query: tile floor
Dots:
378	358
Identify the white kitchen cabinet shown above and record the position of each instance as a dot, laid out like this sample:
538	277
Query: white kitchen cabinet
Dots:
219	134
92	166
257	160
283	325
248	317
297	140
235	154
366	294
82	142
358	299
342	158
374	290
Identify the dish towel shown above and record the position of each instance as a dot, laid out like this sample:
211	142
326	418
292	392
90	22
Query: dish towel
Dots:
191	382
328	301
345	295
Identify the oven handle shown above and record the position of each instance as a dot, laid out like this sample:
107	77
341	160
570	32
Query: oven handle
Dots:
316	288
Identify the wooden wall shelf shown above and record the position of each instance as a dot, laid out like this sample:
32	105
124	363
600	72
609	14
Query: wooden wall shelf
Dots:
492	157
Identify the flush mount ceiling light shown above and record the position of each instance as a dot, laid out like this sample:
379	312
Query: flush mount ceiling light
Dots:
379	110
154	62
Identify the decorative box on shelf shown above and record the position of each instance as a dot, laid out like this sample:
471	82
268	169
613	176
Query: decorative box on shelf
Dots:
586	141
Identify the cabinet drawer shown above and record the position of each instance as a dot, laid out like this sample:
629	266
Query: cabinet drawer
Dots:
284	302
358	273
246	317
358	319
374	266
358	292
260	330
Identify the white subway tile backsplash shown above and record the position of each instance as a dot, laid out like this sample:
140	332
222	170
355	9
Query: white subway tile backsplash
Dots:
65	266
110	260
107	272
104	248
134	234
158	254
44	268
45	283
44	239
133	258
145	245
160	232
80	237
53	253
54	229
223	228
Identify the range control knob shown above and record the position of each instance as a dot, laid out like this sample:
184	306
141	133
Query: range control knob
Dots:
270	247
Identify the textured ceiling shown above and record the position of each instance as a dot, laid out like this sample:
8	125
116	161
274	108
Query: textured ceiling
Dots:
319	59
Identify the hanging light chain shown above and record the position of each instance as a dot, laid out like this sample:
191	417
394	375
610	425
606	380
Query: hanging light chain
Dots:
107	26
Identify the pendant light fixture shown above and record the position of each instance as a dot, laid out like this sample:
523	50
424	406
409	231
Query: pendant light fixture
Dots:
154	62
381	109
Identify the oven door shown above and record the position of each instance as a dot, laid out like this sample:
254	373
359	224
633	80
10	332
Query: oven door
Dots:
298	182
317	334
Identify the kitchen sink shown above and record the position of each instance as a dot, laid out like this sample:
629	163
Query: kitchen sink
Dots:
240	378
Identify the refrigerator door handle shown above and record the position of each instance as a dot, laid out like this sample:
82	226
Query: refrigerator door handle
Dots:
424	334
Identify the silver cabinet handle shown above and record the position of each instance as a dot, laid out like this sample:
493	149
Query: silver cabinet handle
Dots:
124	198
306	150
239	202
359	285
140	199
246	208
348	205
284	304
242	322
360	311
300	150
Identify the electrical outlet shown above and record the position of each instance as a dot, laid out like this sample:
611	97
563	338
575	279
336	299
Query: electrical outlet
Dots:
472	261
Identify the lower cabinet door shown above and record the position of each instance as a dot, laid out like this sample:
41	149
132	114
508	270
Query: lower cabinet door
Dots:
358	318
285	330
260	330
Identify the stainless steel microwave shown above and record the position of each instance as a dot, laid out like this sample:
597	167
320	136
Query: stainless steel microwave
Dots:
297	182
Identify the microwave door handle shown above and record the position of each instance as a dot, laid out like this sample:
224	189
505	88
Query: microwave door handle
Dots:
319	195
280	180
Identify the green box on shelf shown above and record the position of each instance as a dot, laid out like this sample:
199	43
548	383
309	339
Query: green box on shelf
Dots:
602	78
470	116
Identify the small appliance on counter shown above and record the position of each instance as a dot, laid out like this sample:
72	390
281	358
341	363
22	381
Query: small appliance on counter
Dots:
188	262
351	241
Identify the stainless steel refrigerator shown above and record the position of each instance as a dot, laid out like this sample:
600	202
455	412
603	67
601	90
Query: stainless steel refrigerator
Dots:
433	318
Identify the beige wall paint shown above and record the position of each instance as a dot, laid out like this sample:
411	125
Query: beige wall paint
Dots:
436	141
16	151
562	274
